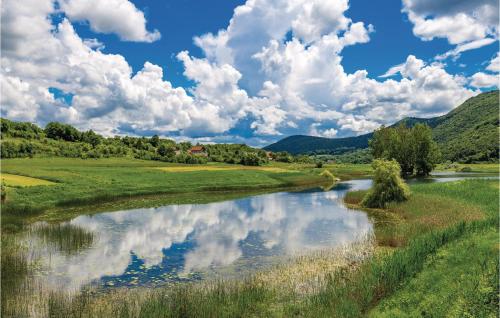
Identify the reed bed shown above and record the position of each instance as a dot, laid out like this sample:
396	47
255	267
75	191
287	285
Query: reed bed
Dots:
65	237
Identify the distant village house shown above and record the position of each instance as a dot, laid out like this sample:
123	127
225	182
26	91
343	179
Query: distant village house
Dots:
198	151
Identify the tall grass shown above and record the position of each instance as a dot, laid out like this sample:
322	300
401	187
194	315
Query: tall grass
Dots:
256	295
352	294
65	237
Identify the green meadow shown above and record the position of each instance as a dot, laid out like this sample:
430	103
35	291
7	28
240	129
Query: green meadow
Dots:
68	186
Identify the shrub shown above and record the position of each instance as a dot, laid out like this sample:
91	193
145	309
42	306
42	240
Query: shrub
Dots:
387	185
3	194
319	164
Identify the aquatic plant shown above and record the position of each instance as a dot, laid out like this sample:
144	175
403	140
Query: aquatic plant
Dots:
65	237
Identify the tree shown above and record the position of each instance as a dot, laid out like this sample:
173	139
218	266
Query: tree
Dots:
92	138
387	185
250	159
426	150
154	141
60	131
413	148
3	195
166	151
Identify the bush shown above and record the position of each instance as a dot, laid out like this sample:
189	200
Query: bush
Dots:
3	194
319	164
387	185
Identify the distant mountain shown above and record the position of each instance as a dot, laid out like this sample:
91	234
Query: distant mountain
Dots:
468	133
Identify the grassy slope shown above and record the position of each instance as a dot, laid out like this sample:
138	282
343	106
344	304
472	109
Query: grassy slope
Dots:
83	182
452	283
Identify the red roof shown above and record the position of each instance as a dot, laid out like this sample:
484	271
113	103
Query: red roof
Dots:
197	148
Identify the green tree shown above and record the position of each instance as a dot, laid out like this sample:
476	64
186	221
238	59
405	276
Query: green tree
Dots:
413	148
250	159
154	141
92	138
387	185
427	153
3	194
166	151
60	131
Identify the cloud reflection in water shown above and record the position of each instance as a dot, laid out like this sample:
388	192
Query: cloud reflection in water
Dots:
157	242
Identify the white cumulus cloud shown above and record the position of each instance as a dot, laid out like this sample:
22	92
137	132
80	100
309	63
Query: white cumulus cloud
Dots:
275	70
111	16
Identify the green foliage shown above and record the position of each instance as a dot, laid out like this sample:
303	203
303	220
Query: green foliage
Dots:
20	140
61	131
3	193
413	148
387	185
282	156
469	133
452	283
20	130
359	156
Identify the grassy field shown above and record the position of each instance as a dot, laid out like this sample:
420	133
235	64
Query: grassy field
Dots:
12	180
472	167
77	183
422	266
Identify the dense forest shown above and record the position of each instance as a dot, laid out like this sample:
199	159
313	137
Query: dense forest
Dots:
467	134
22	139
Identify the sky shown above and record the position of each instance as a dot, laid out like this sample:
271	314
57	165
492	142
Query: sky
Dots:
239	71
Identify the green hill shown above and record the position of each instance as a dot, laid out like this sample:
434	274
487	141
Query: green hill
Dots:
468	133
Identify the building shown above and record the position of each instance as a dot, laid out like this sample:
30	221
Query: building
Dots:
198	151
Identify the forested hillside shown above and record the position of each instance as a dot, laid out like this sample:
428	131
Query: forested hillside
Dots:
22	139
469	133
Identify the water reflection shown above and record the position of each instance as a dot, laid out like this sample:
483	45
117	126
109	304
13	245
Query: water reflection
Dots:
153	246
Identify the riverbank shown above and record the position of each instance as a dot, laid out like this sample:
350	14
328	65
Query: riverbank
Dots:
67	187
437	220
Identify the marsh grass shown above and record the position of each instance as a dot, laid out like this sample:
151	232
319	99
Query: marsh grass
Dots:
263	294
65	237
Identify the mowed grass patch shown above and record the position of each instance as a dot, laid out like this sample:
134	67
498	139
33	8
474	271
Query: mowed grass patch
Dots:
13	180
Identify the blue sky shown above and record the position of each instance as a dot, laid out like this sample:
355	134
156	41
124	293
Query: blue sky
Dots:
330	68
181	20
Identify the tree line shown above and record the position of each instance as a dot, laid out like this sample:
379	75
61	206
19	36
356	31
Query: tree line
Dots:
22	139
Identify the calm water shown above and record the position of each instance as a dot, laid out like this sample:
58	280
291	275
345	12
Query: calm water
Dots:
187	242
